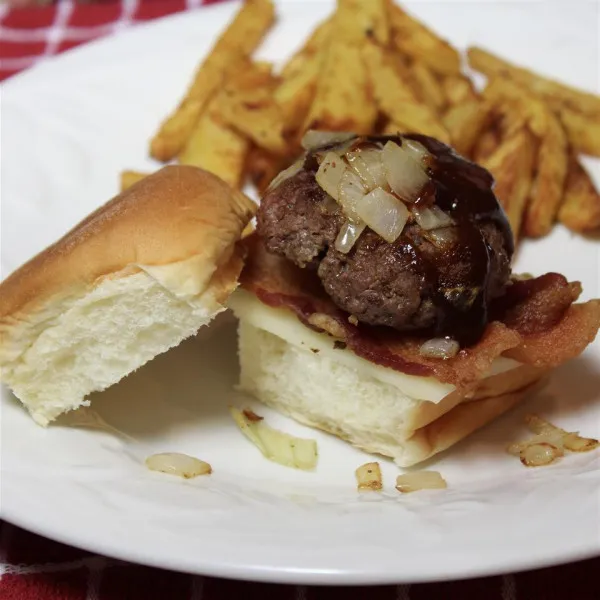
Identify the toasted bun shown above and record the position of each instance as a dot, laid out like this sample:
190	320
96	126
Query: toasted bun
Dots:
133	279
302	374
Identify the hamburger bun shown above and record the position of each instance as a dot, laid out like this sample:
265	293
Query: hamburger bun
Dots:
133	279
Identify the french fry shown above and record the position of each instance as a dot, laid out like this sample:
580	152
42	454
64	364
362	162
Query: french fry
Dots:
395	99
342	101
215	147
583	131
457	89
556	94
262	167
486	144
428	87
548	185
580	210
316	43
128	178
512	167
238	41
357	21
247	105
465	122
416	40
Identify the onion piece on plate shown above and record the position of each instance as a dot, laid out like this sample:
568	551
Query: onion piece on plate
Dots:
314	139
348	236
175	463
539	455
439	348
432	217
276	445
368	165
368	477
420	480
405	175
330	174
383	213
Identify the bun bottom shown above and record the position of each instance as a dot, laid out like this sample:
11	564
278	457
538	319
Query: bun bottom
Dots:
376	416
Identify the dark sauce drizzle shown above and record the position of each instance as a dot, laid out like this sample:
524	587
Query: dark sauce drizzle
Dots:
464	191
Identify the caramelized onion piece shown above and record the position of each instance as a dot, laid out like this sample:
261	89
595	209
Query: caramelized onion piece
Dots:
440	348
330	174
368	477
383	213
420	480
313	139
286	174
539	455
350	192
348	235
404	174
368	165
175	463
416	150
441	238
432	217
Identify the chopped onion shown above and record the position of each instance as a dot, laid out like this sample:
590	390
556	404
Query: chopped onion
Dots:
420	480
432	217
286	174
175	463
571	441
328	324
368	477
441	238
348	235
330	173
350	192
369	166
383	213
539	455
552	438
276	445
313	139
440	348
405	175
575	443
416	150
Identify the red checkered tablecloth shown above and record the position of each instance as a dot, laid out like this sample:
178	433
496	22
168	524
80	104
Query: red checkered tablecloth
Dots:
34	568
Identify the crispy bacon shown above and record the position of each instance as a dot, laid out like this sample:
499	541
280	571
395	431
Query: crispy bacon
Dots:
535	323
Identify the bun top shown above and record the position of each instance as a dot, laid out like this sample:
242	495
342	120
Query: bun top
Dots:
179	224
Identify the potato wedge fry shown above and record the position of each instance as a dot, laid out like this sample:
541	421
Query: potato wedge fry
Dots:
262	167
548	185
457	89
357	21
512	167
583	131
215	147
580	210
428	87
556	94
128	178
486	144
416	40
248	106
342	101
395	99
465	122
238	41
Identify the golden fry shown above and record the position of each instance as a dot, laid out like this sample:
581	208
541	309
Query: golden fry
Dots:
580	210
215	147
486	144
358	21
556	94
342	101
512	167
395	99
457	89
247	104
427	86
416	40
128	178
238	41
316	43
548	185
583	131
465	122
262	167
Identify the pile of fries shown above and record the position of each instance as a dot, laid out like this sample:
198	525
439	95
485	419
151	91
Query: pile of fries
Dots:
372	68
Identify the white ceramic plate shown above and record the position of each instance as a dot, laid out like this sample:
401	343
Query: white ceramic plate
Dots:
69	127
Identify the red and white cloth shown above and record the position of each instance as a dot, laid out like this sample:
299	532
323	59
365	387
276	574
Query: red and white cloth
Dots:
34	568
